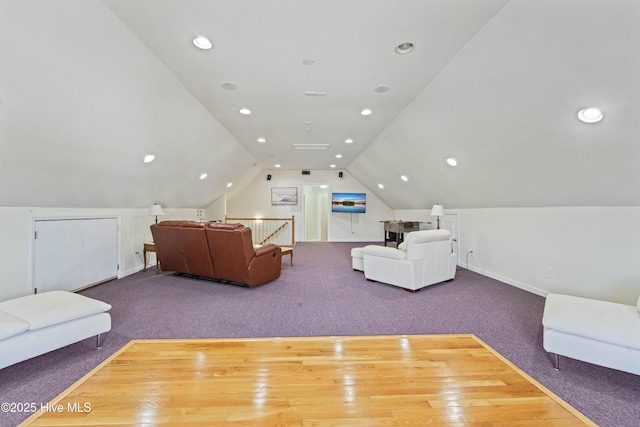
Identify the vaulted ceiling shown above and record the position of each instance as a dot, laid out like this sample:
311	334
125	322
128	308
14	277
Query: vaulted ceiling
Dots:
89	87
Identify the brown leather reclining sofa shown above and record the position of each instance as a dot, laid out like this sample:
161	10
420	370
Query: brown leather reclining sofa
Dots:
223	252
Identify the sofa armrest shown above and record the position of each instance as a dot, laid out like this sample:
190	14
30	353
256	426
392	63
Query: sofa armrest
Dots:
384	252
265	266
266	249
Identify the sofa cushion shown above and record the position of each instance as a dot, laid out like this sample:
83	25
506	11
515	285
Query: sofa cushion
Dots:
50	308
11	325
192	224
170	223
424	236
356	253
384	251
604	321
224	226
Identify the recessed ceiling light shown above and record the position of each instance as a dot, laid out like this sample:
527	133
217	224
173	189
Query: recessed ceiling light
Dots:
149	158
590	115
452	162
203	176
348	141
332	166
366	112
229	184
381	186
262	140
277	165
381	89
403	48
245	111
229	85
323	186
405	178
338	156
202	42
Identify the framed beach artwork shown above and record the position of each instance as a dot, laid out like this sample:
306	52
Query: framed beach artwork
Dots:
284	195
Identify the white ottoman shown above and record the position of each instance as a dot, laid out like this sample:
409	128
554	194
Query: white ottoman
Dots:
356	259
36	324
600	332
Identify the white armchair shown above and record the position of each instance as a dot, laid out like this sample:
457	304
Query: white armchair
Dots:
424	258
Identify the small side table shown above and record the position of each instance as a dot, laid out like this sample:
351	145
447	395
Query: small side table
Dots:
149	247
287	250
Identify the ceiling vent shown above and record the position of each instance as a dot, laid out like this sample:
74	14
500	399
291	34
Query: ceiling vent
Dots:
316	94
310	146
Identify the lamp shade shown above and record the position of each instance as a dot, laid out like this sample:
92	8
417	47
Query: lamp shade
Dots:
156	210
437	210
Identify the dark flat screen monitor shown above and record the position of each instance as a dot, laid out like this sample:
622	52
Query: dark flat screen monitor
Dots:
349	202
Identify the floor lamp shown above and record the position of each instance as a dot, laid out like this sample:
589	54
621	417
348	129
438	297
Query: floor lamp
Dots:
437	210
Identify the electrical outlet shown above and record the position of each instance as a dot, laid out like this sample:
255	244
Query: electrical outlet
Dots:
549	273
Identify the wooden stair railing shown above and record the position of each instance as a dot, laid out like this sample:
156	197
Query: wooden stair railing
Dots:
273	234
280	231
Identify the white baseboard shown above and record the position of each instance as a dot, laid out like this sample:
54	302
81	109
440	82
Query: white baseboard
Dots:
353	241
131	271
508	281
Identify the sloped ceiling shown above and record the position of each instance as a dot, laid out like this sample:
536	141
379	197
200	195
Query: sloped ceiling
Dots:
82	101
505	107
88	87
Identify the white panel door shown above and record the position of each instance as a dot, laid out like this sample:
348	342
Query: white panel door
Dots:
316	213
100	244
58	255
70	254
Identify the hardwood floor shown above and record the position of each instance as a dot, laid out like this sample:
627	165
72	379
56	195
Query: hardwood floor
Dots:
438	380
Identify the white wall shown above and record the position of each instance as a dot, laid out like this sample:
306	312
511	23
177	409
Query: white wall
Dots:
588	251
255	201
217	210
16	252
592	252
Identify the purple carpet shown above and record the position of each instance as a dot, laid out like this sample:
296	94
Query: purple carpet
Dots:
321	295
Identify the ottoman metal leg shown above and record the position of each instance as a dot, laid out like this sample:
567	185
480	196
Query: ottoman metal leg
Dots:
556	361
